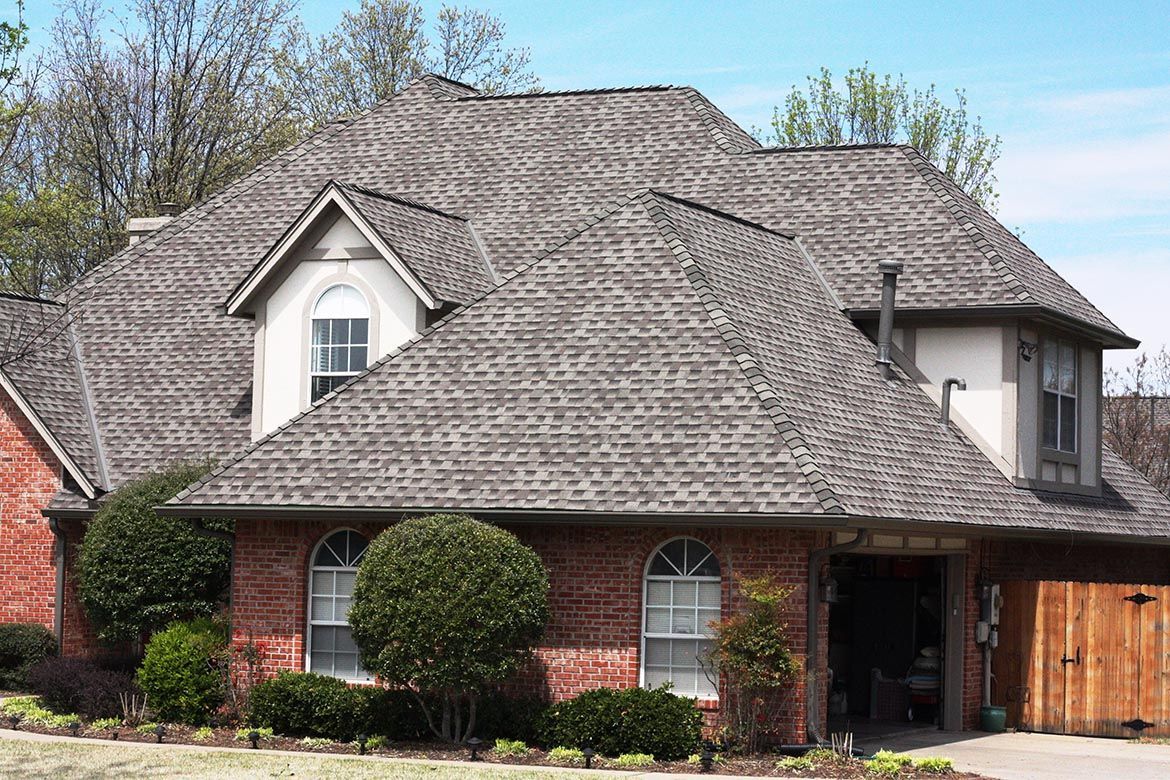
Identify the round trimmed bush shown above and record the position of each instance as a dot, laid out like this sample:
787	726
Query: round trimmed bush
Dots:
305	704
448	606
139	572
630	720
22	646
181	673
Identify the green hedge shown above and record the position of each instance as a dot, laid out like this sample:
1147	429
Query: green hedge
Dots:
181	672
22	646
630	720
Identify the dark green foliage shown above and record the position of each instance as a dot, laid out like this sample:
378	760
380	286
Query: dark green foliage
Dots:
630	720
304	704
508	716
448	606
22	645
182	673
79	685
139	572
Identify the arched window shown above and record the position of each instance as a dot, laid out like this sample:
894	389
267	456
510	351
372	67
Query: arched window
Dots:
331	575
340	339
683	595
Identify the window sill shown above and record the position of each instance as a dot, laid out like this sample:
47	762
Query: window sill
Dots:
1058	487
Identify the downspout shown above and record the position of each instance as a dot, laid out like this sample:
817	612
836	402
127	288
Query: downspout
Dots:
59	598
811	697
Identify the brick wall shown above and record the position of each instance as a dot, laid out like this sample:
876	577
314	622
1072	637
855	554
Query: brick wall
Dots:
594	637
29	478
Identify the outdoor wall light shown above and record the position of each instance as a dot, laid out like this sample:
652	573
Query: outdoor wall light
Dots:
74	727
474	744
362	739
589	753
254	738
1028	350
707	758
160	731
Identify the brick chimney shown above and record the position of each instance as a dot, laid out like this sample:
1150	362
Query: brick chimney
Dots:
140	227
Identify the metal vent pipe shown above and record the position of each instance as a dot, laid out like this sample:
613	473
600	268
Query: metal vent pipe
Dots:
948	383
890	270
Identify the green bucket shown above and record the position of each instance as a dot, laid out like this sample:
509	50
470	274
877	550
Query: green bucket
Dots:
993	719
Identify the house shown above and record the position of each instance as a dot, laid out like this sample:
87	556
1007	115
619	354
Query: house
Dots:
611	322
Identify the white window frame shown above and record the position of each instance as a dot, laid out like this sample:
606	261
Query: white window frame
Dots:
309	622
647	578
312	347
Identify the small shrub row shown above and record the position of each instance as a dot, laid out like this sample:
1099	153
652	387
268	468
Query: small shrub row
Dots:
625	721
22	646
304	704
79	685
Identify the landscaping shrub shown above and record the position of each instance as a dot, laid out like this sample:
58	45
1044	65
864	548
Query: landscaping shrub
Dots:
934	765
304	704
22	646
390	713
631	760
564	755
181	674
448	606
507	715
138	571
509	747
630	720
78	685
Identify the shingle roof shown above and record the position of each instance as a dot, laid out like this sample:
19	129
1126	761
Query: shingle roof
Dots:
440	248
38	357
667	358
170	373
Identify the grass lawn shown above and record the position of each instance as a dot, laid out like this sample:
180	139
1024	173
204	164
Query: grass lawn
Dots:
37	760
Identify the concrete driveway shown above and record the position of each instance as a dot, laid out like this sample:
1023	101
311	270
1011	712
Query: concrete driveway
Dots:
1021	756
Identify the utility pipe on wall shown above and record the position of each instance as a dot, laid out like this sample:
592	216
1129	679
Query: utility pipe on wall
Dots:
890	270
812	659
948	383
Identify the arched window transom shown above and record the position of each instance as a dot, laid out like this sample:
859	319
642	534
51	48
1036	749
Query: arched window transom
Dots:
340	347
683	596
331	578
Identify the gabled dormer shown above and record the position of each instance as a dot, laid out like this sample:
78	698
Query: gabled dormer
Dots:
356	275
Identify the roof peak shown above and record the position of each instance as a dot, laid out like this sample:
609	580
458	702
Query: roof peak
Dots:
843	147
572	92
399	199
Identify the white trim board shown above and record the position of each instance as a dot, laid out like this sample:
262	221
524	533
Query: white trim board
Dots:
330	196
47	435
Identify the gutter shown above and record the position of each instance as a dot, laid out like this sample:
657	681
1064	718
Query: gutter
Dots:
812	642
59	594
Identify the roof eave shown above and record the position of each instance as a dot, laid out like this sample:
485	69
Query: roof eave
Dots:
1110	339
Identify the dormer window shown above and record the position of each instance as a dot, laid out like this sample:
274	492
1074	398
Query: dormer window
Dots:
1060	396
340	344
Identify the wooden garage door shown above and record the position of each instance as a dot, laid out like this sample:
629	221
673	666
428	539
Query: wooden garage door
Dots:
1084	658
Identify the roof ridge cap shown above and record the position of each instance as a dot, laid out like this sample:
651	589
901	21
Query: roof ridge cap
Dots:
841	147
103	467
720	213
399	199
999	264
572	92
592	219
789	432
707	112
439	91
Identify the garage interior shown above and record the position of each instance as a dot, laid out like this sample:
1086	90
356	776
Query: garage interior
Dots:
887	639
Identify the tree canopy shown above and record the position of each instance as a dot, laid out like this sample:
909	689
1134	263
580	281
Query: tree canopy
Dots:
1136	416
447	606
864	108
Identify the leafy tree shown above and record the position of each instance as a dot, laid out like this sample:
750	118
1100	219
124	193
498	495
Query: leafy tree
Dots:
138	572
1136	416
381	47
447	606
867	108
752	652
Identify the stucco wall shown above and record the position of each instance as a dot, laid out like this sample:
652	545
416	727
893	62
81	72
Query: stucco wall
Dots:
976	355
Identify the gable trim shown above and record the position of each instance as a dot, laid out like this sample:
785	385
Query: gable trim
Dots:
47	436
332	195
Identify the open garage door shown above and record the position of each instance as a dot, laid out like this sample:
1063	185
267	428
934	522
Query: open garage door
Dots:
1084	658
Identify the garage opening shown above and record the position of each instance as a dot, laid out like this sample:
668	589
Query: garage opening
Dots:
887	642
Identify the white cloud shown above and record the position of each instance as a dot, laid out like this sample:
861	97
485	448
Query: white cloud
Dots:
1091	179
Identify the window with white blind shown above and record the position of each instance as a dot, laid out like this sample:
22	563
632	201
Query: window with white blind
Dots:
683	596
331	578
340	332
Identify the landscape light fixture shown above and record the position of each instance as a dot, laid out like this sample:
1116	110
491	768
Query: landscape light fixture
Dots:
160	731
362	739
707	759
74	727
589	753
14	719
254	738
474	744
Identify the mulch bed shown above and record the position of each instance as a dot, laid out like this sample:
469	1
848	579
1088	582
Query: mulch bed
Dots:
755	766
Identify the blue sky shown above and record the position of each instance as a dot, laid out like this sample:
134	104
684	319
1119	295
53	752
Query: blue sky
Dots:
1079	92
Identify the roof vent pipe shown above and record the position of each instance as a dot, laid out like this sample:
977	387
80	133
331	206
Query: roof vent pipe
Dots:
890	270
948	383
